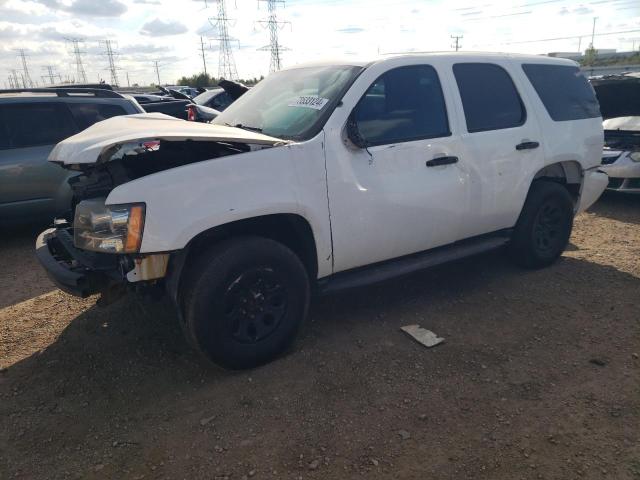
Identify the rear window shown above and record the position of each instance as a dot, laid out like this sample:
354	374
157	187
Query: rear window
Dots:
489	97
34	124
564	91
86	114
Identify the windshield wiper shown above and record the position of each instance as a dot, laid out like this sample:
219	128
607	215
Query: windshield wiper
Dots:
245	127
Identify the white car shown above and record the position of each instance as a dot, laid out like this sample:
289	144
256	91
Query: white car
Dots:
324	177
621	156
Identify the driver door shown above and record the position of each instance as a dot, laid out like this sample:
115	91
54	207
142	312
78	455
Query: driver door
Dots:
406	191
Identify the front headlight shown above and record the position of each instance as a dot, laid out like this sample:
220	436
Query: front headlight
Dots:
108	228
635	156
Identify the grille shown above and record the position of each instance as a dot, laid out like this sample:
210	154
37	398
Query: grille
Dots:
615	182
633	183
609	160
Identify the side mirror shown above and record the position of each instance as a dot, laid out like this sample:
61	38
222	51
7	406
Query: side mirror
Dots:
353	133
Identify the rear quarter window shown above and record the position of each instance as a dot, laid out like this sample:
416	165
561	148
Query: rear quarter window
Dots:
35	124
564	91
86	114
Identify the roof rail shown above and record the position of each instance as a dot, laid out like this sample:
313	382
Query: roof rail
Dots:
100	86
67	92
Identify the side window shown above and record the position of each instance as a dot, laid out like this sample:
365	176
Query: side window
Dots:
489	97
403	104
34	124
221	101
564	91
86	114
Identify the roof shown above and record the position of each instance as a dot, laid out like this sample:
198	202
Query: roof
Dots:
462	56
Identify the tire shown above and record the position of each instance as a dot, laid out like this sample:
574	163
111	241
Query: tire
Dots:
544	227
244	301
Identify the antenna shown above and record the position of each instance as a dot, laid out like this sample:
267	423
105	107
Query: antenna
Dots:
111	56
81	76
26	79
226	63
273	25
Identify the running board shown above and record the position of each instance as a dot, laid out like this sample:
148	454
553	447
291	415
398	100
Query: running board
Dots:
388	269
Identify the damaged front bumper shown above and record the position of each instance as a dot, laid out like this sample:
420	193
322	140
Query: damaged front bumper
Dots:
75	271
83	273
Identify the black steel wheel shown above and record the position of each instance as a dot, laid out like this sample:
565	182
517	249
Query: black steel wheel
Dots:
544	227
255	304
244	301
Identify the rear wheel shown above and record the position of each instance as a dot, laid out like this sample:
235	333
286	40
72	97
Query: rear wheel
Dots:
245	301
544	227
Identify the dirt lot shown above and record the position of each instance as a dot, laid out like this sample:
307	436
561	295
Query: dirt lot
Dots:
539	377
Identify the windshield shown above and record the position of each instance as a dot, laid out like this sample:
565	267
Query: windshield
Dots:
204	97
291	104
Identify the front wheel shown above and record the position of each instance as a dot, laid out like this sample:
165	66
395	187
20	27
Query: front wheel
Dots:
245	301
544	227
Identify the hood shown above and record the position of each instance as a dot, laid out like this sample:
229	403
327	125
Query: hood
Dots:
619	96
88	145
234	89
630	124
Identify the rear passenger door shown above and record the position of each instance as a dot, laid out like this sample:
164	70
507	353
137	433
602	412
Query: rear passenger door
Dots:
501	143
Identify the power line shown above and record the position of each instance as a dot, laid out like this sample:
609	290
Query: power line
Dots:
16	82
204	58
157	68
81	75
26	79
226	63
111	56
51	74
273	25
456	43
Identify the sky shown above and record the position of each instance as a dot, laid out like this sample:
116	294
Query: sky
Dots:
169	32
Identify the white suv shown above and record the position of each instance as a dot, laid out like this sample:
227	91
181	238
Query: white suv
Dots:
323	177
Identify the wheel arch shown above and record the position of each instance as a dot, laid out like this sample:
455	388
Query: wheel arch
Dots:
569	173
292	230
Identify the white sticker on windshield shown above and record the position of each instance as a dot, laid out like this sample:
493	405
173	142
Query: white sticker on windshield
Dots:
310	102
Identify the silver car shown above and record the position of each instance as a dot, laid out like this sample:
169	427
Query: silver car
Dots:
32	122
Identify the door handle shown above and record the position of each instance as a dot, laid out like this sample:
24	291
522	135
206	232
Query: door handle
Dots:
436	162
527	145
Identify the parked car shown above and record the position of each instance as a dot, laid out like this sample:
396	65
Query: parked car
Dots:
326	177
32	121
619	98
210	103
200	113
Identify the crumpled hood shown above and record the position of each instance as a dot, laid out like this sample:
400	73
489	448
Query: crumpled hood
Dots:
88	145
622	123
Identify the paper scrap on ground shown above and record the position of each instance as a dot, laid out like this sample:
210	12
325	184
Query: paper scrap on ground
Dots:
422	335
309	102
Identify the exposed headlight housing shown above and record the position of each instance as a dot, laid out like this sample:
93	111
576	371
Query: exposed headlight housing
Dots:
108	228
635	156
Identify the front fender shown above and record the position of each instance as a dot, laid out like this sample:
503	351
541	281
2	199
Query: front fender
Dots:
185	201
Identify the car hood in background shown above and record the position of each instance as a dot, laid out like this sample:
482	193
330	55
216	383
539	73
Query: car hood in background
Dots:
618	96
89	145
631	124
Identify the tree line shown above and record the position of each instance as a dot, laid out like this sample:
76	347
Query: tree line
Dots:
206	80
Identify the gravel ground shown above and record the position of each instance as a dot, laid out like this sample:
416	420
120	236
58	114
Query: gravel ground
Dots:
539	377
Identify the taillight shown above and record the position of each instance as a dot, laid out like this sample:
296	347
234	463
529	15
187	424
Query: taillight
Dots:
191	113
